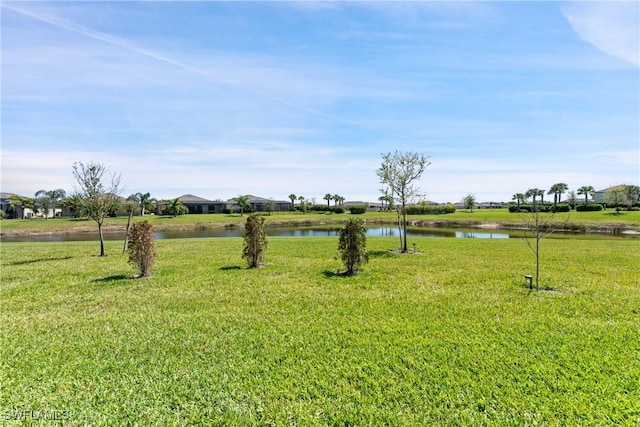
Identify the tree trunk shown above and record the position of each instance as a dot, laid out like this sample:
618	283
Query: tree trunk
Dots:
101	238
537	260
404	228
126	236
399	229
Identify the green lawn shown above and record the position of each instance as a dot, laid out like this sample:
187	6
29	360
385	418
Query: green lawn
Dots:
450	336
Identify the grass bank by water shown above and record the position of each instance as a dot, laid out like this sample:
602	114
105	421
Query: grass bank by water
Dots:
602	222
449	337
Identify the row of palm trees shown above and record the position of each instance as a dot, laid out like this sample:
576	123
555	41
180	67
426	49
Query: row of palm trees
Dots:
337	199
143	203
46	201
631	193
557	190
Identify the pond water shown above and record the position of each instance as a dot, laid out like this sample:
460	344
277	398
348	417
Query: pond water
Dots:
275	231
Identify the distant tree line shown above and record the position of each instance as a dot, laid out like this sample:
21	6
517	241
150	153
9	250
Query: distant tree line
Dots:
618	197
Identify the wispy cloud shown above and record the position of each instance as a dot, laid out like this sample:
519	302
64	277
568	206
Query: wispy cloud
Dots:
612	26
237	84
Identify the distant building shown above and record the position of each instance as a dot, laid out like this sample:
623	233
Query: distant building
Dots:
371	206
259	204
200	205
600	196
10	211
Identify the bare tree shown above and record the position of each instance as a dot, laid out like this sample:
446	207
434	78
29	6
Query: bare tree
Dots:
398	171
538	225
97	197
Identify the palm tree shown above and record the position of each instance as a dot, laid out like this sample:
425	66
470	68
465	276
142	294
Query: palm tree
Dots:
328	198
293	198
144	200
519	198
557	190
586	190
243	203
49	200
24	203
302	204
533	193
176	207
389	199
73	202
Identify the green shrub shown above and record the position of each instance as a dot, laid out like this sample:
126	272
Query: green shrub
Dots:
357	210
425	209
591	207
561	207
546	207
517	209
352	245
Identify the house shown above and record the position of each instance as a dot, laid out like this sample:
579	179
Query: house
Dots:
14	211
600	196
259	204
199	205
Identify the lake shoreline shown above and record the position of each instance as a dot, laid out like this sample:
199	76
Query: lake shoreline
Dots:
89	227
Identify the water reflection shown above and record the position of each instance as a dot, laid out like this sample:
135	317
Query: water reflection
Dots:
276	232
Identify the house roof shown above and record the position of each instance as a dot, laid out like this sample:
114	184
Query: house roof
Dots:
256	199
615	187
190	198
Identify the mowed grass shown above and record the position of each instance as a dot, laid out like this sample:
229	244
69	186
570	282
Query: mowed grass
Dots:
449	336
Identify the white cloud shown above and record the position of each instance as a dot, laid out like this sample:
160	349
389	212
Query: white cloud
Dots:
613	26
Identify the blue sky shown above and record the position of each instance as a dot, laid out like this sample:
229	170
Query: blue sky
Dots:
219	99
